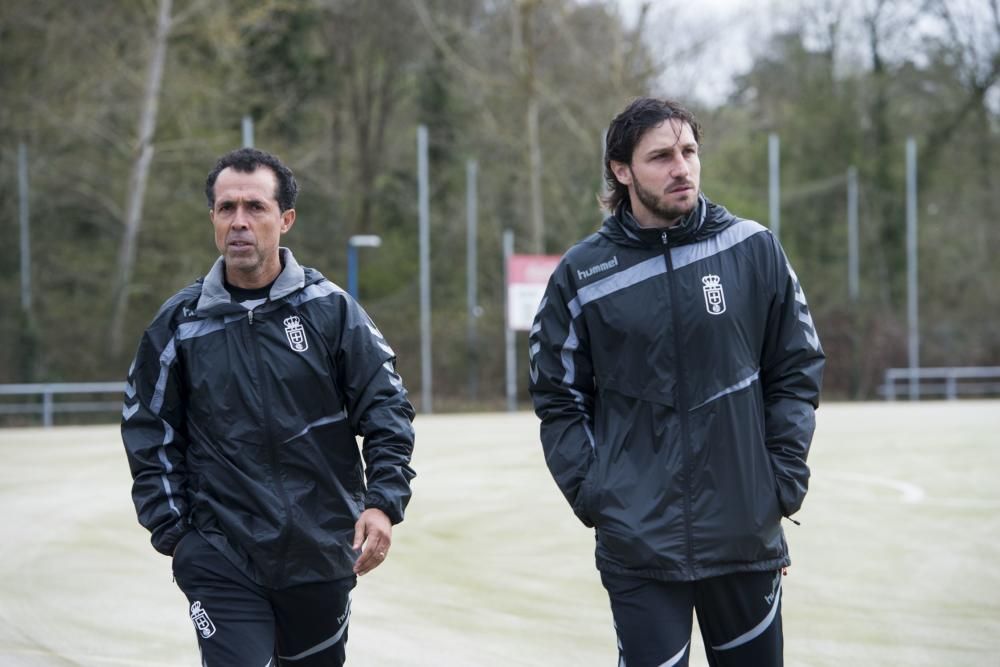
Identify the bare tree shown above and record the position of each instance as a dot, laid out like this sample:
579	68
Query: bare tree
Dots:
523	52
143	156
373	58
974	39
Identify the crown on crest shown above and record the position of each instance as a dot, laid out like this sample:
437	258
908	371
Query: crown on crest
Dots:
711	280
292	322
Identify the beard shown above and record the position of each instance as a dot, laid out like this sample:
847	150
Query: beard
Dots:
651	200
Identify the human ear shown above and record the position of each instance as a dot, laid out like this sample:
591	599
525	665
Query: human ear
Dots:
622	172
287	220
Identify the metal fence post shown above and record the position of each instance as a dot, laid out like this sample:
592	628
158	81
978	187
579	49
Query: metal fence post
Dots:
47	408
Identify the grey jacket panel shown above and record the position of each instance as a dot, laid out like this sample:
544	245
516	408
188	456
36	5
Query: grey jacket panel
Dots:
242	425
675	375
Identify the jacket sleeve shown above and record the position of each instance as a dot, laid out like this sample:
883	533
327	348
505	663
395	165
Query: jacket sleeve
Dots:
378	410
155	444
562	390
792	372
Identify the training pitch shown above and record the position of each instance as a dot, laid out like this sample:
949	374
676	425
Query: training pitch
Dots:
895	563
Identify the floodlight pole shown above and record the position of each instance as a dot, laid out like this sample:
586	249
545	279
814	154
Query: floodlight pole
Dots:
604	189
425	271
774	164
353	243
247	131
509	336
911	267
853	289
22	196
472	222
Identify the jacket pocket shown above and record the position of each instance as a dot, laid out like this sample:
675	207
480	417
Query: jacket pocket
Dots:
778	507
181	555
585	503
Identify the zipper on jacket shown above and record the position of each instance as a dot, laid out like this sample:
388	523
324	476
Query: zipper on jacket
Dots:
681	402
273	450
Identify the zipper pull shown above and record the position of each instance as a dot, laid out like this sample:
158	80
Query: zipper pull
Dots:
250	317
663	236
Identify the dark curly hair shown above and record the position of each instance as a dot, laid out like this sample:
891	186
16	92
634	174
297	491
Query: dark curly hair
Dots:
247	160
627	129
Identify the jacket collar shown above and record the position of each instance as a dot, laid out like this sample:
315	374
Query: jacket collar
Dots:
705	220
215	297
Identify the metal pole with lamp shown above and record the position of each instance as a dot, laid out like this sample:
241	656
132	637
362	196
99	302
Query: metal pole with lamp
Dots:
353	243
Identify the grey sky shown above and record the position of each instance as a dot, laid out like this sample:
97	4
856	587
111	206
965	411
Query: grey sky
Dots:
725	26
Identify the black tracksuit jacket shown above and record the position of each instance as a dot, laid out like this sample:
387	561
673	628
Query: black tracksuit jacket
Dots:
676	373
241	425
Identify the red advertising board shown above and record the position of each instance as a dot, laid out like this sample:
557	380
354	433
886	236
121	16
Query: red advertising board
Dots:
527	276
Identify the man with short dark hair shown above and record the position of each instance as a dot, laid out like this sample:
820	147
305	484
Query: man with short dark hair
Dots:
241	412
676	369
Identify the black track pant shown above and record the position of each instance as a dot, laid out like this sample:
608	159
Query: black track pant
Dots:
241	623
739	616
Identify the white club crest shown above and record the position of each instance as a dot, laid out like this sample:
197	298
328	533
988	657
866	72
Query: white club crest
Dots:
715	298
202	623
296	334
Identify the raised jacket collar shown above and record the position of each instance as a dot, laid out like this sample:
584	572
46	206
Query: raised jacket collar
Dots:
215	297
706	220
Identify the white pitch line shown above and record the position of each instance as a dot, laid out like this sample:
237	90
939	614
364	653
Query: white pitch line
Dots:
966	503
911	492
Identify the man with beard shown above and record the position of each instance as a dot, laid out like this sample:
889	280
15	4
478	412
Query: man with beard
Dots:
676	369
241	412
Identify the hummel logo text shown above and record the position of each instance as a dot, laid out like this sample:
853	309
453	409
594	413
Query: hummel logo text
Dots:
583	274
774	588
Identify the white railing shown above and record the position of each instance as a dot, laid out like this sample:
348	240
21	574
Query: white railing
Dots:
949	382
47	406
